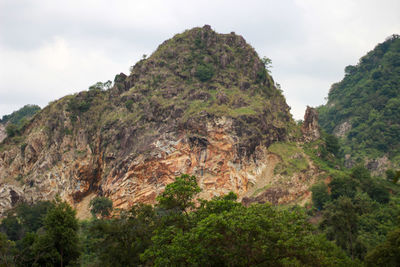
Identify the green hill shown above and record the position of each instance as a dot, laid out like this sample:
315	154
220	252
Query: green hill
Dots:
16	117
364	108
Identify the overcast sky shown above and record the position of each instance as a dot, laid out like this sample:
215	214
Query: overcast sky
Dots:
51	48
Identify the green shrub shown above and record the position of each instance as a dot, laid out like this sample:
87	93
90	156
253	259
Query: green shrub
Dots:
261	76
11	130
101	205
128	104
320	195
332	144
204	72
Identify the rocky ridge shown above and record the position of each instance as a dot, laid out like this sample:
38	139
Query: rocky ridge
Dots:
201	104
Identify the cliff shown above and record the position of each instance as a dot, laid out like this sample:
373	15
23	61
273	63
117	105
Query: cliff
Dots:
202	103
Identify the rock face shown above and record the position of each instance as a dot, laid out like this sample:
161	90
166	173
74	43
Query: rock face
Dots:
202	104
3	133
310	127
342	129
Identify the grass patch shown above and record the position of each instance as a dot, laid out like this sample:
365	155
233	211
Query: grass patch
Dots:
293	159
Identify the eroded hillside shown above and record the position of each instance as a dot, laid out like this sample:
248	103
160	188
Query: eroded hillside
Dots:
202	103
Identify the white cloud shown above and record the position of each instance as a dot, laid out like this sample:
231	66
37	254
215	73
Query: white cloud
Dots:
53	70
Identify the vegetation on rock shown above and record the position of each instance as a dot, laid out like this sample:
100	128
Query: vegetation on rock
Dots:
17	120
364	108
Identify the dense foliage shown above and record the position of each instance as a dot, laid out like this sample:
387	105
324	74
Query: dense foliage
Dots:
178	231
357	210
101	206
44	234
18	119
367	102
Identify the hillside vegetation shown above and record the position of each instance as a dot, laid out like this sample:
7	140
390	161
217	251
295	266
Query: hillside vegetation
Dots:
17	120
364	108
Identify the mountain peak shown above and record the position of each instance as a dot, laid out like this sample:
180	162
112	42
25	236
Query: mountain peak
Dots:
203	103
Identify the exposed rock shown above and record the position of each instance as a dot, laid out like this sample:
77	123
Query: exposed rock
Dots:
198	95
10	195
348	161
239	102
3	133
276	189
222	98
272	195
342	129
377	166
310	127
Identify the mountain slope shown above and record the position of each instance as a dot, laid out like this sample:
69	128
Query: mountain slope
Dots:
202	103
364	108
16	121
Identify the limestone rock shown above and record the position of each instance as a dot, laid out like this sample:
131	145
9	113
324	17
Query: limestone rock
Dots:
342	129
310	127
3	133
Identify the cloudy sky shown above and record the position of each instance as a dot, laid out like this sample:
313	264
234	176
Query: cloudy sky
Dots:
51	48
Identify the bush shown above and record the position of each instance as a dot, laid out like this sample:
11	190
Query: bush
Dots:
128	104
342	186
320	195
204	72
101	205
261	76
11	130
392	176
332	144
378	192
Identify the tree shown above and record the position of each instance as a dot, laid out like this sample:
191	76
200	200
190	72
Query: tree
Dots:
12	227
360	173
378	192
122	240
320	195
267	63
31	216
59	244
350	69
100	86
392	175
332	144
256	236
11	130
340	222
179	194
387	253
342	186
102	206
7	249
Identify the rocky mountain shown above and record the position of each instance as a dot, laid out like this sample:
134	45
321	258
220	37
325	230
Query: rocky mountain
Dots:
202	103
364	108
